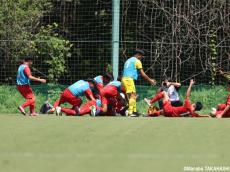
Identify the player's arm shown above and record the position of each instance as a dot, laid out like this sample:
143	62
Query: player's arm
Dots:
188	93
88	93
139	67
143	74
31	77
175	84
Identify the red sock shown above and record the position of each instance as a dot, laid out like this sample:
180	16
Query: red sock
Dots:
158	96
68	111
85	109
27	103
32	107
57	103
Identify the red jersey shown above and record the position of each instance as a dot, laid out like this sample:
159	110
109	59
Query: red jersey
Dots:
171	111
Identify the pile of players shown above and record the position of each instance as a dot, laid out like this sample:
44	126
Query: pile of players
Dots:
108	97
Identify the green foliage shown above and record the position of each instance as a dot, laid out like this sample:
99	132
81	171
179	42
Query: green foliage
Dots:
52	49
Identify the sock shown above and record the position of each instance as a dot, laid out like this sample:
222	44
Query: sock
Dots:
32	107
131	105
68	111
57	103
135	106
158	96
27	103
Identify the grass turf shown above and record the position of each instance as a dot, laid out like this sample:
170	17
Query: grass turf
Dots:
50	143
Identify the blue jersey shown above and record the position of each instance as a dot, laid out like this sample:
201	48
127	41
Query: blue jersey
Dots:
98	79
116	84
131	68
98	102
79	87
22	79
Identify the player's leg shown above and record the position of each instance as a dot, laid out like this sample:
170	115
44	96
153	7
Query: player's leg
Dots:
130	90
85	109
76	102
161	95
27	93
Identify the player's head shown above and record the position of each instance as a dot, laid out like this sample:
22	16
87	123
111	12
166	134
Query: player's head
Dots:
197	106
28	60
107	77
139	53
166	81
92	83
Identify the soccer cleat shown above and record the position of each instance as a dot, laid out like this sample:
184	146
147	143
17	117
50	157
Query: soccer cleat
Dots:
135	114
93	110
147	101
22	110
58	111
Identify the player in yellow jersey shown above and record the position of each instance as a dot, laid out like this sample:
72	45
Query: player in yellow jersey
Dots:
132	68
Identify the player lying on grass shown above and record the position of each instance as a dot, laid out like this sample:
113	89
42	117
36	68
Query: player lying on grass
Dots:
72	95
23	85
223	110
187	109
103	80
110	91
132	68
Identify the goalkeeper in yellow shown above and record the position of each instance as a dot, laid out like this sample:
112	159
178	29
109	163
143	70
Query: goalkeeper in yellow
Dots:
132	68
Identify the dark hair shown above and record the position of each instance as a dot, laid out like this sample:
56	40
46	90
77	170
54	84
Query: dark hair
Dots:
119	78
199	106
108	76
228	82
92	81
28	58
138	51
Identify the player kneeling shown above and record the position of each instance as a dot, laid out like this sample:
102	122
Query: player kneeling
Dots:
223	110
72	96
170	111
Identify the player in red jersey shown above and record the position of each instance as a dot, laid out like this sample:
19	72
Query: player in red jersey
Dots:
23	85
187	108
223	110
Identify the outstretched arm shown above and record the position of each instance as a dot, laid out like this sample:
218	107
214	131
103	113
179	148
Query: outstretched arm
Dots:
143	74
31	77
188	93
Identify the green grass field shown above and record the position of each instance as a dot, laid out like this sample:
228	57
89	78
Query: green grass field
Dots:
51	143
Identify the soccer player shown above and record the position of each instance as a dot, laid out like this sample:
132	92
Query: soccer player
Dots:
172	89
187	108
23	85
110	91
72	95
132	68
102	80
223	110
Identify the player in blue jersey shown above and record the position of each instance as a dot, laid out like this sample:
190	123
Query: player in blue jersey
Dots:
132	68
72	95
103	80
23	85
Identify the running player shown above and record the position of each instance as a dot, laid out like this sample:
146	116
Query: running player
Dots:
170	111
23	85
132	68
73	95
223	110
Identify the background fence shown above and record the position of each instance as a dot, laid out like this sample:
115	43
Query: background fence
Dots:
71	39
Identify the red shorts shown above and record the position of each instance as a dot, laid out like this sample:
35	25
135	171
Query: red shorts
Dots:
26	91
108	92
67	96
